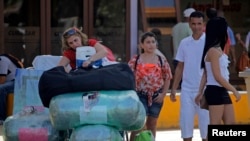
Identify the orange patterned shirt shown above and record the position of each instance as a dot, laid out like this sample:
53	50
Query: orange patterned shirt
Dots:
150	77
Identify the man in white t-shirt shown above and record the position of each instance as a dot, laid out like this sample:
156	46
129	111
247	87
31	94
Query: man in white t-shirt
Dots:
8	66
188	69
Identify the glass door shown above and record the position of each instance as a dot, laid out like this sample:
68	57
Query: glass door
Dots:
104	20
64	14
35	27
108	25
22	29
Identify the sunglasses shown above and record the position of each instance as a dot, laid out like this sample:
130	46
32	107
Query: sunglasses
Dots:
69	33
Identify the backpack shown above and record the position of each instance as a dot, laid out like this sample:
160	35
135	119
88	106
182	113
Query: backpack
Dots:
137	57
14	60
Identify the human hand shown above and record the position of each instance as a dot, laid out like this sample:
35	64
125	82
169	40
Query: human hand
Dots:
237	36
86	63
160	98
198	99
172	96
237	96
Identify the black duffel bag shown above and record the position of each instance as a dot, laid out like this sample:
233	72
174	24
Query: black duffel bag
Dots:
56	81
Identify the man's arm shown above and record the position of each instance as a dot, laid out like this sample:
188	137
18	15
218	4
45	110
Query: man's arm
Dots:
2	79
177	78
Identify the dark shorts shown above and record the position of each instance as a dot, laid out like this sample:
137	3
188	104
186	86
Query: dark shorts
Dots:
153	110
216	95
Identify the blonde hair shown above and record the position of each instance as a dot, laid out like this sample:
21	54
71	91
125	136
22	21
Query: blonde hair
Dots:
84	37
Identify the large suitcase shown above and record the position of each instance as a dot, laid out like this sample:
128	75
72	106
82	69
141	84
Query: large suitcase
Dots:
95	133
120	109
30	124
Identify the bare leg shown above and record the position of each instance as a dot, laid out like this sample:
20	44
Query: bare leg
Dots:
215	114
151	125
228	115
133	134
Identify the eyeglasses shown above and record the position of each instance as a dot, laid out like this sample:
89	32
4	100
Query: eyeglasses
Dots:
69	33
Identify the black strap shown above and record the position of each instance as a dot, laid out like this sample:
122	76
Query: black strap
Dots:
160	60
137	57
13	59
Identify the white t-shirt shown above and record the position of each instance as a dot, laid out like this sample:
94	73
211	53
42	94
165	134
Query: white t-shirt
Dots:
7	68
190	53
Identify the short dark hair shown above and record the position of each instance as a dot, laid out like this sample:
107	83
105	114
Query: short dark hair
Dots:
211	12
197	14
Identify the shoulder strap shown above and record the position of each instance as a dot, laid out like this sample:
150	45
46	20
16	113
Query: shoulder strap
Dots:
136	60
137	57
160	60
13	59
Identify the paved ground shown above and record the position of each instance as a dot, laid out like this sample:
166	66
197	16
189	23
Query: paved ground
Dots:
166	135
174	135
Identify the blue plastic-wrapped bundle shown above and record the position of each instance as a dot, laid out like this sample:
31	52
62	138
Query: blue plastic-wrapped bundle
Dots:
121	109
95	133
30	124
26	89
140	121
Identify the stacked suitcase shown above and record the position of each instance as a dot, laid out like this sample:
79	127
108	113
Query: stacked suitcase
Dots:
93	109
97	115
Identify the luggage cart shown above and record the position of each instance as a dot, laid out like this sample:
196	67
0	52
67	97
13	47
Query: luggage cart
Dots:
124	135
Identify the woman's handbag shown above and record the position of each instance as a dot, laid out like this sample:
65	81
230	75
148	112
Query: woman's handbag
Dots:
203	103
243	62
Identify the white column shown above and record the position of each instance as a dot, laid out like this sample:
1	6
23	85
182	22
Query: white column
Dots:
134	27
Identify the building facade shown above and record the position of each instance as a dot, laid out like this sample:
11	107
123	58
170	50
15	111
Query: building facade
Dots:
34	27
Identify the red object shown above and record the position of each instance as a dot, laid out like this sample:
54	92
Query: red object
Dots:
110	54
33	134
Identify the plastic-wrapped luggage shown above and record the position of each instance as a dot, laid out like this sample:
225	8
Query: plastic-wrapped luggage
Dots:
56	81
95	133
26	89
140	121
30	124
121	109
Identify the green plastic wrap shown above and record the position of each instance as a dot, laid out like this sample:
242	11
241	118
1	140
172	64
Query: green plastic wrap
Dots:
95	133
121	109
30	124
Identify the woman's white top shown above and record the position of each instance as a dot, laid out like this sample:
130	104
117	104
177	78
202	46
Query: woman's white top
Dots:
223	62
